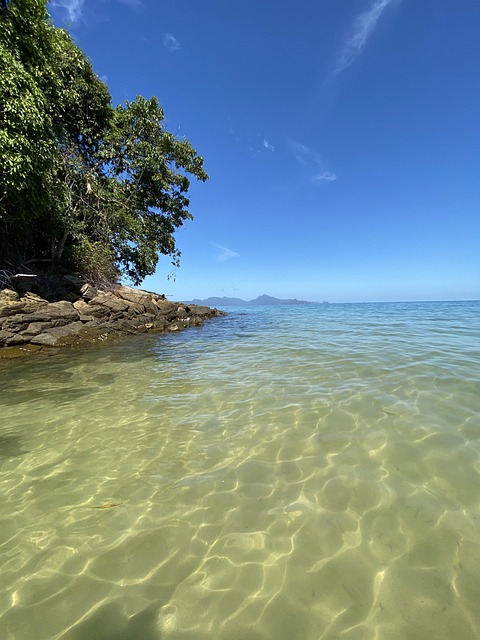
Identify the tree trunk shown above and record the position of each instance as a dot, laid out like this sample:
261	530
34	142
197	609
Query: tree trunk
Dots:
57	249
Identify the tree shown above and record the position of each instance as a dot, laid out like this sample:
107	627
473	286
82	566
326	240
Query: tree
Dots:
146	171
27	147
82	183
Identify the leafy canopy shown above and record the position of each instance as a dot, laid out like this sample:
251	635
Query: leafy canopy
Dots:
82	183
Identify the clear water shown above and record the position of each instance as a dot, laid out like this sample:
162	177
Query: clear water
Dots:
282	473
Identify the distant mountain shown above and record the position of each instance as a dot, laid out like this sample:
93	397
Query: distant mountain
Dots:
233	302
218	302
270	300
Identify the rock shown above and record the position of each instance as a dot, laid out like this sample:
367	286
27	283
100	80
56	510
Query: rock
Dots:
16	338
85	314
18	322
32	297
66	330
9	294
110	301
200	310
45	339
4	336
150	306
53	337
88	292
8	308
164	306
114	317
133	295
60	322
62	309
128	325
177	326
34	328
97	311
59	312
136	309
81	306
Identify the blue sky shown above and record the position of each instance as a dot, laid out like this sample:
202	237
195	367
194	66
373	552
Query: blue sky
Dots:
342	139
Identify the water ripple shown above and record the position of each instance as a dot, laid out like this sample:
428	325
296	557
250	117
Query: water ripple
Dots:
291	473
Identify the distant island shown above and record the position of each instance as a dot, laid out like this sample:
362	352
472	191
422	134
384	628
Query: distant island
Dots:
230	302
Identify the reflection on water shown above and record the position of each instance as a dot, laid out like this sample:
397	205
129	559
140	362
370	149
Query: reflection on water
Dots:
288	473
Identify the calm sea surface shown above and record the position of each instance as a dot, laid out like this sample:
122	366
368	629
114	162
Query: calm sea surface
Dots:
283	473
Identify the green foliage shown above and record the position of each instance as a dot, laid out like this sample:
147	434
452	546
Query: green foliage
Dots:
77	177
93	261
146	169
26	129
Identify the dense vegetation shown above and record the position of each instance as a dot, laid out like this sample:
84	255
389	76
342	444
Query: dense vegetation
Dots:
83	185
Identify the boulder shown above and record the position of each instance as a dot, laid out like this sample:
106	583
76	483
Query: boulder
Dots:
110	301
200	310
5	336
181	312
34	328
32	297
133	295
45	340
88	292
165	307
62	309
10	295
81	306
53	337
10	308
96	310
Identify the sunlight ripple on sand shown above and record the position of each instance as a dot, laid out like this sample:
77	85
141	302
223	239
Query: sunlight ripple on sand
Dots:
298	473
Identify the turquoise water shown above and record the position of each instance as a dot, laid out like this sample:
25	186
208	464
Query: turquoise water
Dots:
282	473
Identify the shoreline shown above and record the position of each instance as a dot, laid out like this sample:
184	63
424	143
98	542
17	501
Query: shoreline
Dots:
41	313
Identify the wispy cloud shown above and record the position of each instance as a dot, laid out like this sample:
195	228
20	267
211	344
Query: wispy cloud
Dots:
170	42
224	253
362	28
313	163
268	145
73	8
133	4
253	142
324	176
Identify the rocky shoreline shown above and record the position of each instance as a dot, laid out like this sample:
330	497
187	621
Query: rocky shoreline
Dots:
40	313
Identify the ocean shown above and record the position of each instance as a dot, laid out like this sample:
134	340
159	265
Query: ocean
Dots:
289	472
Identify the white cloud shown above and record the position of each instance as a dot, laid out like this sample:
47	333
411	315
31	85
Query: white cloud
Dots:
325	176
73	8
361	31
313	163
224	253
170	42
268	145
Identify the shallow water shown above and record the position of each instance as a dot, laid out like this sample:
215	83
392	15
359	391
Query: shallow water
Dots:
282	473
